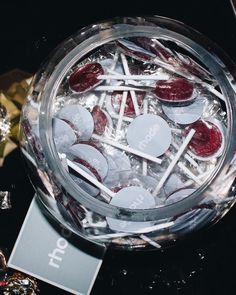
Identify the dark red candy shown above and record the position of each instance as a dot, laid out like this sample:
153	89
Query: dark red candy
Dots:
116	100
207	139
174	90
85	77
100	120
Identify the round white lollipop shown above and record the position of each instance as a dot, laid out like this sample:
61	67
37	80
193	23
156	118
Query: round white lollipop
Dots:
191	219
179	195
92	156
63	134
150	134
85	185
119	167
79	118
185	114
112	177
121	161
132	197
173	184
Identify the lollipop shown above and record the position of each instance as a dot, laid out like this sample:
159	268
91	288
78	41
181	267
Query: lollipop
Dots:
175	90
207	141
84	78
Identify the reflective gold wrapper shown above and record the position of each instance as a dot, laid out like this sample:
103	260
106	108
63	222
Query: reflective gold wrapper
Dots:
11	100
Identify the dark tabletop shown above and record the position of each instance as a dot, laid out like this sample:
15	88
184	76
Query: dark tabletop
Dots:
201	264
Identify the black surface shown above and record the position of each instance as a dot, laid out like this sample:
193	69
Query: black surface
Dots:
203	264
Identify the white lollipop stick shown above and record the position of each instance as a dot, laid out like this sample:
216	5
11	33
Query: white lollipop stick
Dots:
145	111
111	88
188	172
132	77
90	178
103	96
127	149
141	231
174	161
127	119
132	93
198	179
189	159
214	91
114	73
150	241
122	110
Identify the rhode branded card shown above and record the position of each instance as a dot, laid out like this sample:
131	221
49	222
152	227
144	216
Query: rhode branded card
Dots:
48	254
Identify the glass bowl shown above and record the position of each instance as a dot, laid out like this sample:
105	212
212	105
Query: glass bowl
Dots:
128	131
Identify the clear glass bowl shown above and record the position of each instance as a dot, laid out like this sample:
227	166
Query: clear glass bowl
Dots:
128	130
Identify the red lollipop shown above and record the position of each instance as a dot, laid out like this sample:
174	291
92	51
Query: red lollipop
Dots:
207	139
85	77
174	90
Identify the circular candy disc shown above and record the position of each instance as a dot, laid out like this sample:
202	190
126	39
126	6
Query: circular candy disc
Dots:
179	195
192	219
208	141
173	184
121	161
149	134
185	114
85	185
79	119
63	134
91	156
178	90
132	197
85	77
119	167
112	177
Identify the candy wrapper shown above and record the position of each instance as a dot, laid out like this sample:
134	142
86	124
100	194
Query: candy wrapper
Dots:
5	200
12	282
13	89
19	283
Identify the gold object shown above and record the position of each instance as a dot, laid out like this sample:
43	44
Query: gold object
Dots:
11	100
